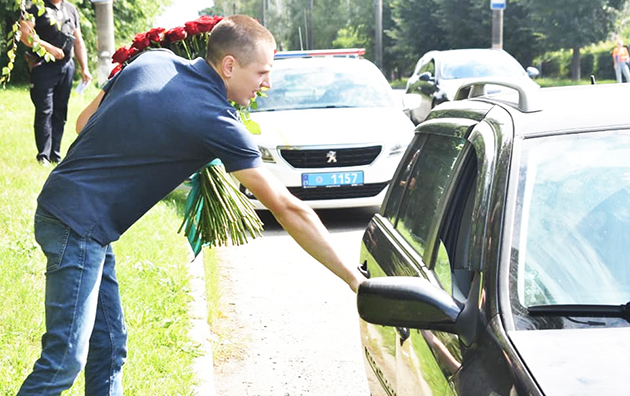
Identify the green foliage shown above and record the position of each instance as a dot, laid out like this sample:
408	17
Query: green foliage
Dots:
411	27
417	29
596	60
425	25
135	16
573	24
130	17
350	37
13	38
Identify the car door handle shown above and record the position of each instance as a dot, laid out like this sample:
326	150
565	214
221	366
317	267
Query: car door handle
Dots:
363	269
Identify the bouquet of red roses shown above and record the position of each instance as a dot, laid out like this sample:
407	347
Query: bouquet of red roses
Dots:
216	211
188	41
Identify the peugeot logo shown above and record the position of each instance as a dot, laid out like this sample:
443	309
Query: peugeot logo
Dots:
331	157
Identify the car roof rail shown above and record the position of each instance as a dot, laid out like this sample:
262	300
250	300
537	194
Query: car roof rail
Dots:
527	94
338	52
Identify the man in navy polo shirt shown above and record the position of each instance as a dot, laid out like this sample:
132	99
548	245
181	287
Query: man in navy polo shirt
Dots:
158	121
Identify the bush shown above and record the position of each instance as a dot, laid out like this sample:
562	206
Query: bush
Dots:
555	64
595	59
587	64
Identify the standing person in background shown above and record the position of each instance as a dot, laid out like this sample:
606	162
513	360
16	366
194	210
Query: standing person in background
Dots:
621	59
59	33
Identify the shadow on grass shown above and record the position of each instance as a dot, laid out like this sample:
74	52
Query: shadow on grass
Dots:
177	199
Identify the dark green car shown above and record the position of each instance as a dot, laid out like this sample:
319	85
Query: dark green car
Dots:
498	263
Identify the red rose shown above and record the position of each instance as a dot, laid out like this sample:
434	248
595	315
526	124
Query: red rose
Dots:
140	41
191	28
115	70
156	34
205	23
132	51
121	55
176	34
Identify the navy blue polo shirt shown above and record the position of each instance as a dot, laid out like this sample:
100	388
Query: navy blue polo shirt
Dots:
163	118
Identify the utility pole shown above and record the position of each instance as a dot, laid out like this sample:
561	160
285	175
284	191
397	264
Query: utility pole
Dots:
378	33
497	7
264	10
309	27
104	11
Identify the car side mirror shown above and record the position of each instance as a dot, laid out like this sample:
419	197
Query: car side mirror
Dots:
532	72
426	76
413	302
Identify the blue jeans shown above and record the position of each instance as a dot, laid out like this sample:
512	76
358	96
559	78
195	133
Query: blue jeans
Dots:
622	67
85	327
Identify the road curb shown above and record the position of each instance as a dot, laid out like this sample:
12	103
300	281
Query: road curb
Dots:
200	330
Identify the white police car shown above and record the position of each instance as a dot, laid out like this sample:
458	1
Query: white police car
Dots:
331	129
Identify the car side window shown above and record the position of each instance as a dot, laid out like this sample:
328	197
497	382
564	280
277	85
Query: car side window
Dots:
399	184
442	268
421	201
454	236
429	67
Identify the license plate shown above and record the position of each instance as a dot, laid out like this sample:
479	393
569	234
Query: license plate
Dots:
332	179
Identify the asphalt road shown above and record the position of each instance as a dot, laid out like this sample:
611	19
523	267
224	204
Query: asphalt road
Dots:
298	321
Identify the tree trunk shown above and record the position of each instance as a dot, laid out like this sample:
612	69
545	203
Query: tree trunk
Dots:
575	64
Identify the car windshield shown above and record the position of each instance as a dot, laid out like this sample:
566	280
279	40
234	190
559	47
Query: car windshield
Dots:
349	84
572	223
464	64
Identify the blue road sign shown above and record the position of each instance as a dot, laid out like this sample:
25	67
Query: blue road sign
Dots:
497	4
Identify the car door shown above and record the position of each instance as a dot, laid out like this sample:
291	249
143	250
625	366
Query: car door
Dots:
426	360
399	242
457	252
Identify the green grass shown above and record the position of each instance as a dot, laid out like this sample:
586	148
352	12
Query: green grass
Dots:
151	267
555	82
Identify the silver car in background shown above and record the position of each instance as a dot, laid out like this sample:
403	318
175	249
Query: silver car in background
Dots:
438	75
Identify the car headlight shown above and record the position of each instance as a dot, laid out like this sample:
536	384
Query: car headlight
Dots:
397	149
266	154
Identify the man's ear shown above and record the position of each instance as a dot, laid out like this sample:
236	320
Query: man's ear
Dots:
227	65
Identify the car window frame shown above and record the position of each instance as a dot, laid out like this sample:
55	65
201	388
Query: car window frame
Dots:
455	230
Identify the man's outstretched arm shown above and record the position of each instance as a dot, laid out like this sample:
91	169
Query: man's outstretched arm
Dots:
299	220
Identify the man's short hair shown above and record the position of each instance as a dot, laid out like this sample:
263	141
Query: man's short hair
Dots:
237	35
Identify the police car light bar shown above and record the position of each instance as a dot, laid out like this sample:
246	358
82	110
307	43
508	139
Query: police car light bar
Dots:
343	52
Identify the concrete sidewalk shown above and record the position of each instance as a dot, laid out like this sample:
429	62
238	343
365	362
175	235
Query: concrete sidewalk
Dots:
200	330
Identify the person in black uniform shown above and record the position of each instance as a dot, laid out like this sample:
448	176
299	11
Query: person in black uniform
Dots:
58	32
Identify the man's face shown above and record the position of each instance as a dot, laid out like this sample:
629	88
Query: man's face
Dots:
249	79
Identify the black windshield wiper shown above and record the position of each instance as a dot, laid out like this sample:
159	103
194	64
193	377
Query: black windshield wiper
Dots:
582	310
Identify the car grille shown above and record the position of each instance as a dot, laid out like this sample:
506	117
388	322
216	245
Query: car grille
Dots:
341	192
319	158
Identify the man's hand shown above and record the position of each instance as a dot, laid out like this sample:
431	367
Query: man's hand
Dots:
356	282
56	52
86	76
28	37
